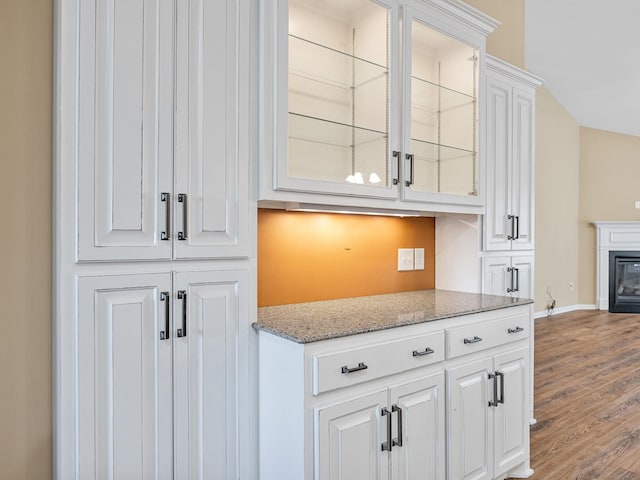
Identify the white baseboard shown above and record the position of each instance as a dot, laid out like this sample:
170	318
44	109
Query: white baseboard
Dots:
570	308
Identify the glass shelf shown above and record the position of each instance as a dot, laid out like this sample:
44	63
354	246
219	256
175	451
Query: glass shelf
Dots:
448	98
326	150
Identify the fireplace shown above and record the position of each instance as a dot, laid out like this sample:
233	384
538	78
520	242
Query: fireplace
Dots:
624	282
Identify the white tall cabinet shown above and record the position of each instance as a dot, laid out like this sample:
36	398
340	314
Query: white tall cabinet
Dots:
154	233
508	223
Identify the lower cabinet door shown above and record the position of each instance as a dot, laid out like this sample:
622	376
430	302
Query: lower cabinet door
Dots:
207	310
419	450
124	377
470	421
349	437
511	414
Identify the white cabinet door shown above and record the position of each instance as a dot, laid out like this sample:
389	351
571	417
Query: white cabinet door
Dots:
507	275
421	405
522	175
511	415
470	422
211	166
349	437
124	137
207	310
510	125
497	227
124	377
440	111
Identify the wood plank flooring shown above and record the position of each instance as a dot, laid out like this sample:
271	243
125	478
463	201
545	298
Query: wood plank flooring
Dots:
587	397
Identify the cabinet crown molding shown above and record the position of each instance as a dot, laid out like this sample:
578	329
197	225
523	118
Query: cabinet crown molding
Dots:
470	16
500	66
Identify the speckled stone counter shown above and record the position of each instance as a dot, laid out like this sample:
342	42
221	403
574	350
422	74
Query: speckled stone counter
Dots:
315	321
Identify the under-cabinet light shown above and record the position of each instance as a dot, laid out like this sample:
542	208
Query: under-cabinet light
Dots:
316	208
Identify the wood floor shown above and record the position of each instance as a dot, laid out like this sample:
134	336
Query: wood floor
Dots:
587	397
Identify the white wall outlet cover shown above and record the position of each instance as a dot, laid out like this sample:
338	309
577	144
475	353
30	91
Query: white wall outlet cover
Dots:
405	259
418	258
637	203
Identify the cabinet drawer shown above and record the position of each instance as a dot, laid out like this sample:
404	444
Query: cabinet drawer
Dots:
482	335
350	367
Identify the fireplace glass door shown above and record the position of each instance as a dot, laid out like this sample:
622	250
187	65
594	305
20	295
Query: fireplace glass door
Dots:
624	282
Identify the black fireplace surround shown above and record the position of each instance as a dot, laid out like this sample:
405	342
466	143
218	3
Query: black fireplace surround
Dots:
624	282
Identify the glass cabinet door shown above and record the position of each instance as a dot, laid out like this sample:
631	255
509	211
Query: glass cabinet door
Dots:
440	114
338	98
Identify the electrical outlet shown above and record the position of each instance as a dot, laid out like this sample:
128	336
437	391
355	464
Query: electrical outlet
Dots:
418	258
405	259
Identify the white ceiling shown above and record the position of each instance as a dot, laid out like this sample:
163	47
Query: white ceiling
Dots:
588	53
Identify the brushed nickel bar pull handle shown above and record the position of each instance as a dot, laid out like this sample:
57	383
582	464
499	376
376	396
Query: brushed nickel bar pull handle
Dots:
398	440
396	155
409	156
361	366
500	375
166	197
388	445
475	339
182	198
513	227
164	297
510	289
426	351
182	295
515	330
494	402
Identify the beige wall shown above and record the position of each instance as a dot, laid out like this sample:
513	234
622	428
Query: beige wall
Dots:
507	41
25	243
557	195
610	168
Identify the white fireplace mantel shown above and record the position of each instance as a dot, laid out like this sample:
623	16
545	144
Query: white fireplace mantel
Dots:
616	236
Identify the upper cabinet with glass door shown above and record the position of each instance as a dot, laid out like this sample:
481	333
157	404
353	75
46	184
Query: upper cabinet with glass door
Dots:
371	103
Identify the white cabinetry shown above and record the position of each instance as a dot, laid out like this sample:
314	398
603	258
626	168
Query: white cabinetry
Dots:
488	415
374	406
158	131
510	122
360	112
153	238
507	275
158	374
394	433
508	224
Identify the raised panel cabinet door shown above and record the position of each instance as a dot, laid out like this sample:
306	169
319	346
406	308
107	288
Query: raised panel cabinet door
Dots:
211	164
209	306
511	416
496	279
523	266
349	437
522	195
124	415
470	421
420	413
124	129
497	225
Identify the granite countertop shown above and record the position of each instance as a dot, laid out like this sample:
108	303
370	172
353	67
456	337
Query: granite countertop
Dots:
315	321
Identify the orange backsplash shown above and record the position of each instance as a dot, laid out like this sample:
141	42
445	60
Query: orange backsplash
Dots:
305	257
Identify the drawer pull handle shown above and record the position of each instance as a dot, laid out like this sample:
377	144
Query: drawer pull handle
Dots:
397	442
361	366
475	339
427	351
515	330
500	375
388	445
